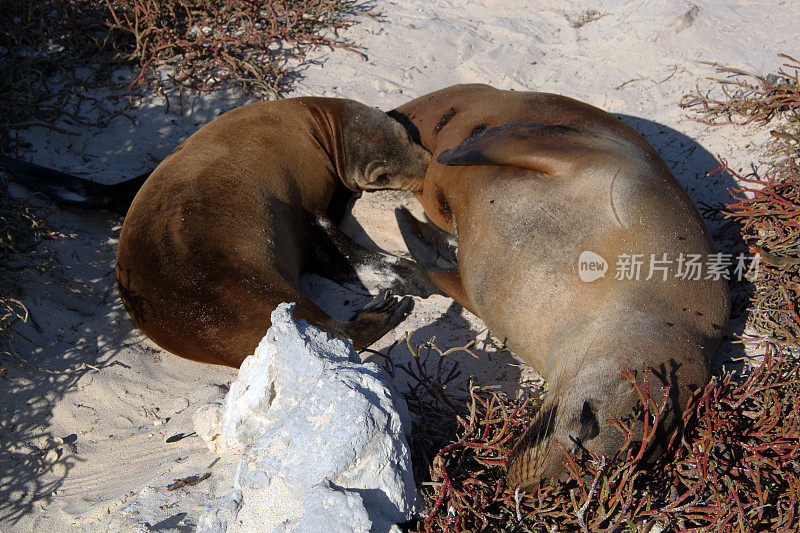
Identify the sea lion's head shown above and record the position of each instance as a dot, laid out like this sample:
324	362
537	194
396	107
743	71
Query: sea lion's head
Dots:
578	418
381	154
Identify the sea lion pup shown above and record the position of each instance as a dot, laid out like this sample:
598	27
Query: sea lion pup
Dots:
527	182
220	232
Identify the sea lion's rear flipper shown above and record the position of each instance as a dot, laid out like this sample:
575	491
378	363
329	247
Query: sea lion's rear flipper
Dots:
339	258
73	190
553	150
436	251
375	319
231	334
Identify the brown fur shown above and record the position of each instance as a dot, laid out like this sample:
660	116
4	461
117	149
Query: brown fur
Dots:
218	235
524	202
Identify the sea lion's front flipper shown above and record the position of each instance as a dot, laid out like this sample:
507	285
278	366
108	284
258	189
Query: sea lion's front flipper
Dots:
436	251
553	150
342	260
430	246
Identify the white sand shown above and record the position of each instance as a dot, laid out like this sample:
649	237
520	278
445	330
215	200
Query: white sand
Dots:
115	398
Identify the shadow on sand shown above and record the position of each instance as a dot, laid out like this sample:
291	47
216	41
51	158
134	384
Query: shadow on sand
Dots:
60	341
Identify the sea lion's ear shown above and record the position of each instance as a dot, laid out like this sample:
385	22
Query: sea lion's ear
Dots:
547	149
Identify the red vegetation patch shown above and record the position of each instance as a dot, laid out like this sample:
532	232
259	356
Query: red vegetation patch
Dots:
767	206
734	467
52	51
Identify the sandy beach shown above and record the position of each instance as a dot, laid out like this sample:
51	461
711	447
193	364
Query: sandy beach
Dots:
107	416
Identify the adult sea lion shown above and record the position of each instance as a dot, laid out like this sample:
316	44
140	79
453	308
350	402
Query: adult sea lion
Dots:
527	182
219	233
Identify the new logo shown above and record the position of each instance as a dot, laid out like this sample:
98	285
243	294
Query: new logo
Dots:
591	266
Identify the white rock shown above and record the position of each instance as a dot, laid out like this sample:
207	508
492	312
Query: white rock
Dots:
220	512
208	425
321	438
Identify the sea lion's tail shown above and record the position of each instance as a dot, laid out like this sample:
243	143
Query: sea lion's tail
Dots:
72	190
